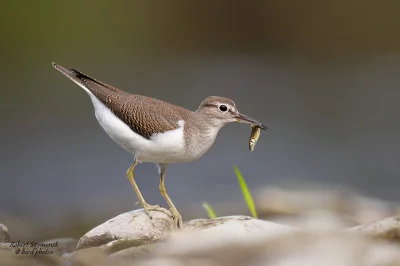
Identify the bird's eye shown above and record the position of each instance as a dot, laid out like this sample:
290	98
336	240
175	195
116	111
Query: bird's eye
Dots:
223	108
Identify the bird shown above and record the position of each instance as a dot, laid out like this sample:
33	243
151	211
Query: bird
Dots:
156	131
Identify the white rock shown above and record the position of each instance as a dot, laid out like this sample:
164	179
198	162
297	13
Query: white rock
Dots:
213	233
290	248
130	225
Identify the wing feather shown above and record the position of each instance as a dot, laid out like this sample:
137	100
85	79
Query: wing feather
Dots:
144	115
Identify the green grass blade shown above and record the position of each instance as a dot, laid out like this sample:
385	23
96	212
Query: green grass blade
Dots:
246	193
209	210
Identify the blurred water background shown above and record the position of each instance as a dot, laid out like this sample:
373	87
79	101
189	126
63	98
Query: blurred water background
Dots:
324	77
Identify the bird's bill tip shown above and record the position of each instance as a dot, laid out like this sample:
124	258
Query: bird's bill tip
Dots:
248	120
69	72
58	67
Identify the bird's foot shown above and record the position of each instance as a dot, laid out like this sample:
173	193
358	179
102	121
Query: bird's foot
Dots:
148	208
177	218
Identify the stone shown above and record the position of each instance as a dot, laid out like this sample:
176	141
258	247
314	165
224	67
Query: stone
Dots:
132	252
88	256
211	233
117	252
388	228
300	199
286	248
242	240
135	226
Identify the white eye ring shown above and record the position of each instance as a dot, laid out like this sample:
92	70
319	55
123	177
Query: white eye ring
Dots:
223	108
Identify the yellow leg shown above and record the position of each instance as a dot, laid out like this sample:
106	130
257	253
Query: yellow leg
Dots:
163	192
147	207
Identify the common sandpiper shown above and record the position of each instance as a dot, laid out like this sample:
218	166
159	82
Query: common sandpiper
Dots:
156	131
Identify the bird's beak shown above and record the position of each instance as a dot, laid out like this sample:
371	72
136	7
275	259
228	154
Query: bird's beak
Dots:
245	119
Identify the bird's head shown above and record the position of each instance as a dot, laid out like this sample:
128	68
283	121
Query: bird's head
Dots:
219	111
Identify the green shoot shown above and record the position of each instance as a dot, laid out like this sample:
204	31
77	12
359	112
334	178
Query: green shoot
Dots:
245	192
209	210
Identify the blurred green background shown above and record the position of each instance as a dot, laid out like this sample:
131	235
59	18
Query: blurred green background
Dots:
323	75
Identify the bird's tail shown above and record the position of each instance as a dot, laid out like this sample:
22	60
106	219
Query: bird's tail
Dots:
90	85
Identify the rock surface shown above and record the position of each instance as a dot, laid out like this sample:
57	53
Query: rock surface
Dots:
218	232
133	239
242	240
306	198
197	235
134	225
291	248
388	228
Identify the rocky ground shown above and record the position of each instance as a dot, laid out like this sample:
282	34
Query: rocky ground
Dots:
308	227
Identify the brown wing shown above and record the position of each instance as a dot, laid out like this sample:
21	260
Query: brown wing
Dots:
144	115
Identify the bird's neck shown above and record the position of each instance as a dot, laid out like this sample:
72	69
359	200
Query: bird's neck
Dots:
200	134
206	126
